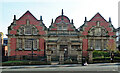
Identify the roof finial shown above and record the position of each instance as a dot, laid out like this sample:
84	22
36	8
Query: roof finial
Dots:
109	19
14	20
85	19
52	21
41	18
72	21
62	11
14	17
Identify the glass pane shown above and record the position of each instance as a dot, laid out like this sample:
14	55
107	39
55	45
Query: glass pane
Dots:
28	30
97	44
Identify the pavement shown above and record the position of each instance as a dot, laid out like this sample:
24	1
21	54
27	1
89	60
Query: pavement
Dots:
67	67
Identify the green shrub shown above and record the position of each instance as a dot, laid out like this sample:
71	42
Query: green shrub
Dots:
100	54
16	63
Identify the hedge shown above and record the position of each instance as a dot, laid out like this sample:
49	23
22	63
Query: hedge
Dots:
101	54
17	63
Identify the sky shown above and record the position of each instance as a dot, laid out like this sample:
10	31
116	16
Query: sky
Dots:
48	9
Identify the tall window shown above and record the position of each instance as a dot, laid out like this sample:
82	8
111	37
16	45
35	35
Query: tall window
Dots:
97	44
91	44
20	43
28	44
35	44
105	44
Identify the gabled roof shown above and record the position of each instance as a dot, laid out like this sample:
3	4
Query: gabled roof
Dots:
27	13
97	15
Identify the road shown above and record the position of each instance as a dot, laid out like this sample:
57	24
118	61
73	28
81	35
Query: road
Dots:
68	67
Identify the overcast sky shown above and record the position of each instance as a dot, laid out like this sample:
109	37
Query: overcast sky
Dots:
48	9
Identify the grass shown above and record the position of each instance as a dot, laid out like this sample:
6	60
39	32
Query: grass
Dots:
13	61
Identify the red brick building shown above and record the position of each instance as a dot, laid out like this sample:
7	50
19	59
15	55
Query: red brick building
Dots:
23	29
94	34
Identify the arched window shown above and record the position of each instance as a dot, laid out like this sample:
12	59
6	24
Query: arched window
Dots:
28	30
21	31
34	31
97	31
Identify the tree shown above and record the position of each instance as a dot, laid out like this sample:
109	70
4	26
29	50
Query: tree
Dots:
111	46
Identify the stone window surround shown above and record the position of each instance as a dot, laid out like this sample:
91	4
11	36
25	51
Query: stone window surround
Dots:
23	44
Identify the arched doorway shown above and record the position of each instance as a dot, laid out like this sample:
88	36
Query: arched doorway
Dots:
65	48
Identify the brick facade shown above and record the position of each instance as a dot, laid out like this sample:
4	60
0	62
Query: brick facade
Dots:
52	36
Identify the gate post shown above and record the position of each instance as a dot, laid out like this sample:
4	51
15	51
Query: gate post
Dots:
90	55
61	58
48	56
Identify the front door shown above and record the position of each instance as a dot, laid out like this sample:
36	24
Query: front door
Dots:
65	48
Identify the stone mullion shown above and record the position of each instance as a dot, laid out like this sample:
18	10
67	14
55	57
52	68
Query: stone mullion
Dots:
102	43
23	43
94	44
38	44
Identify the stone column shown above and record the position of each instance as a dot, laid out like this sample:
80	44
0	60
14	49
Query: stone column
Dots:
69	49
61	58
45	48
90	56
48	56
58	47
79	56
